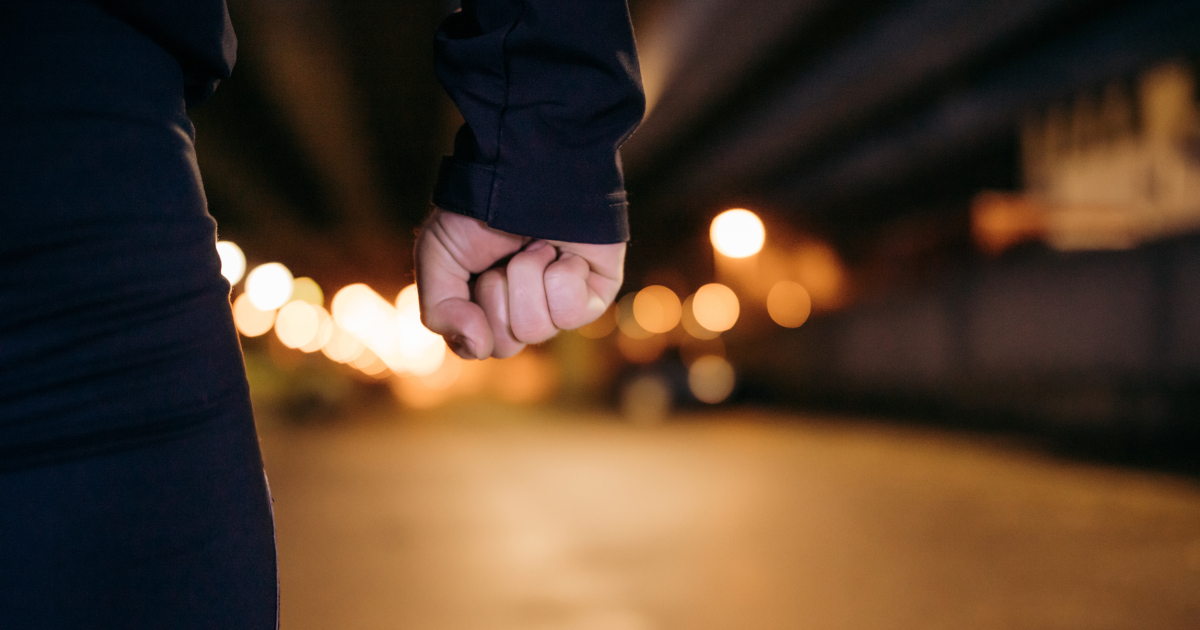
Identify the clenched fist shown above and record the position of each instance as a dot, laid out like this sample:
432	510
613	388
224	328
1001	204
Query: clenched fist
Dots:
544	287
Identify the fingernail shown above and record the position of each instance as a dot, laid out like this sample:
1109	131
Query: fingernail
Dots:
460	346
536	245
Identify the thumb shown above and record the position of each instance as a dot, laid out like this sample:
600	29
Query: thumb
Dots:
445	299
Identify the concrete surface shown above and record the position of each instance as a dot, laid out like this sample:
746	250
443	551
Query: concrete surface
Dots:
483	519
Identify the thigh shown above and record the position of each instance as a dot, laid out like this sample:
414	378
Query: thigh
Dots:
131	486
172	534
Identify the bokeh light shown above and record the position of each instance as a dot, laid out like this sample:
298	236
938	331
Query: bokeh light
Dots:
369	363
420	350
737	233
343	347
626	320
789	304
446	375
646	399
358	309
250	320
820	270
657	309
297	324
307	290
425	359
711	379
455	378
641	349
715	307
269	286
693	327
364	331
324	331
407	297
233	261
394	334
602	327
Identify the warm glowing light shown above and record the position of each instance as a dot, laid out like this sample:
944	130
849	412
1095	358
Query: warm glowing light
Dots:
737	233
324	331
269	286
602	327
343	347
641	350
454	379
819	269
1000	221
307	290
711	379
446	375
297	324
249	319
420	350
646	399
407	297
384	340
692	326
233	261
789	304
715	307
425	360
358	309
657	309
626	320
369	363
394	334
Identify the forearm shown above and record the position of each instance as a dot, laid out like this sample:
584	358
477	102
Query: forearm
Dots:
549	90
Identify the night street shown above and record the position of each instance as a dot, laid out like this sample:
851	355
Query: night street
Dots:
482	519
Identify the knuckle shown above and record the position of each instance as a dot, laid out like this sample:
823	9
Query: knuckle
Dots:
568	318
568	307
532	331
563	276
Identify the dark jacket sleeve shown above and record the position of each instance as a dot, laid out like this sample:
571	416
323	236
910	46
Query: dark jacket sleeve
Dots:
549	89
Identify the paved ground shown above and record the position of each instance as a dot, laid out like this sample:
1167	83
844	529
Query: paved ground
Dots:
497	520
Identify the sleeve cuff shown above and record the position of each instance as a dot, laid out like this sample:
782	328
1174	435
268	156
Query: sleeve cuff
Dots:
475	190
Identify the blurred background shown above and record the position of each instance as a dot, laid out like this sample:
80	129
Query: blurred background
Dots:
910	332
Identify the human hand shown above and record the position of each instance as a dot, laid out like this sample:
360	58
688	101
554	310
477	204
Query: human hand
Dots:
546	286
